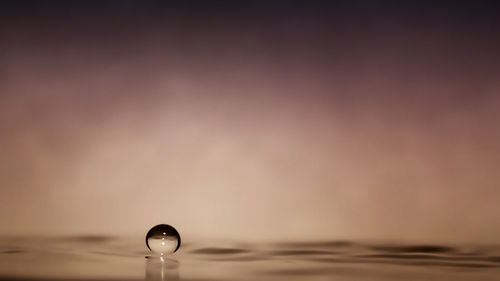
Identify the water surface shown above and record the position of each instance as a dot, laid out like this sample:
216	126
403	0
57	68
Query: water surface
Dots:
111	258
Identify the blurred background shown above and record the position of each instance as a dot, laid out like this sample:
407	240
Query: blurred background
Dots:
251	121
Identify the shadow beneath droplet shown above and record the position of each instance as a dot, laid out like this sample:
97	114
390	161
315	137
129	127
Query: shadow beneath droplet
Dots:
390	254
413	261
13	252
219	251
410	256
413	249
113	254
327	271
300	253
89	238
321	244
240	258
495	259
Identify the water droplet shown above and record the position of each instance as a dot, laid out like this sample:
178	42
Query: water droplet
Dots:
163	239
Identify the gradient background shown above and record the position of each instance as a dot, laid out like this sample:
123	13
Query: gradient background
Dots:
251	121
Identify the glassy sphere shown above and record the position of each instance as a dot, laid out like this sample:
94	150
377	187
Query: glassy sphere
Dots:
163	239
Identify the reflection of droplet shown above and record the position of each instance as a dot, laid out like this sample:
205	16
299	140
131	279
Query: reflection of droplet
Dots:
162	269
163	239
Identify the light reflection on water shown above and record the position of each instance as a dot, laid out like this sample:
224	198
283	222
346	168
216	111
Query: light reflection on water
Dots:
162	269
108	258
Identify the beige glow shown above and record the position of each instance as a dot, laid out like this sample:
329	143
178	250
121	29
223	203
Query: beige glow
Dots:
252	144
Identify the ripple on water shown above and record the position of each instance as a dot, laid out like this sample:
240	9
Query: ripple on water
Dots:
119	258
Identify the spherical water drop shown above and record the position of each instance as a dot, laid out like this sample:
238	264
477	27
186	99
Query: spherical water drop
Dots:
163	239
